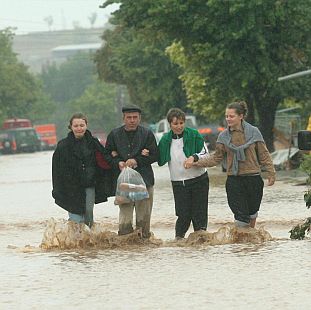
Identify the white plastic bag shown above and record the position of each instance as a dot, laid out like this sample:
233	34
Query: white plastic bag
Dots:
130	187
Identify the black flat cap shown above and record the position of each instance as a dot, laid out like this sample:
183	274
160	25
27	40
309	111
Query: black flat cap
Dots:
131	108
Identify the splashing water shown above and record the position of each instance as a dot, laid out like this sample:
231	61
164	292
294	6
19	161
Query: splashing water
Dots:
229	234
69	235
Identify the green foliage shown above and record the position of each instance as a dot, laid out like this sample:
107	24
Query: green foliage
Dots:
20	92
228	49
151	79
68	80
299	231
98	103
74	87
306	167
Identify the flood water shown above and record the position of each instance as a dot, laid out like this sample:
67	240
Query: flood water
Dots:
268	273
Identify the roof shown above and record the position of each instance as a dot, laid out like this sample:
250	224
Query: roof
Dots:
77	47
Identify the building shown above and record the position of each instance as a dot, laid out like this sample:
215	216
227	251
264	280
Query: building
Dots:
39	49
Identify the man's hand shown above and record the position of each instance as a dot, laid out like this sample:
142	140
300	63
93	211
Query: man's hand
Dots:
131	162
189	162
114	154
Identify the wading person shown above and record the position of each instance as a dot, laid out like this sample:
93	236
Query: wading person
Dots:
242	149
78	182
190	186
134	146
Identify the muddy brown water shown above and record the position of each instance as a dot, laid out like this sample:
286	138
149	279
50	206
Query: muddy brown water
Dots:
47	263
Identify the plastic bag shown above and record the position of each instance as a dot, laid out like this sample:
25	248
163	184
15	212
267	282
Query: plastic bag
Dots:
130	187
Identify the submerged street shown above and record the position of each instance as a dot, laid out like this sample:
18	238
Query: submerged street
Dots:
163	275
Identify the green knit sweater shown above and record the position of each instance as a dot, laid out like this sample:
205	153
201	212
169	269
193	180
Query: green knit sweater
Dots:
193	143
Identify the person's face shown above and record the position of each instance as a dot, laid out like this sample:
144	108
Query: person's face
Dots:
78	127
233	119
177	125
131	120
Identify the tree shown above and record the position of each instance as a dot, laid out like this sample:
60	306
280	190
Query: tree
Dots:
92	19
299	231
49	21
69	80
228	49
98	103
150	77
74	86
21	94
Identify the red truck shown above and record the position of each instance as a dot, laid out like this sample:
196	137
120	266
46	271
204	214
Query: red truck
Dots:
16	123
47	135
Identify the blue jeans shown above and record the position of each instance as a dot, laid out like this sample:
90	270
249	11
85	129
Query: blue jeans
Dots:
86	218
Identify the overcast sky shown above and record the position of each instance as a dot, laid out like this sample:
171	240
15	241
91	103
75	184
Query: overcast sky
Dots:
28	15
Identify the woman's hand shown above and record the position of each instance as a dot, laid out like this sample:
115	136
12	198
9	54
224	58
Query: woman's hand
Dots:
271	181
189	162
145	152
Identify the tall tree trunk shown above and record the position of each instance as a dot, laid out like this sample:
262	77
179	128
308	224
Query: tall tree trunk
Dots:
266	114
251	111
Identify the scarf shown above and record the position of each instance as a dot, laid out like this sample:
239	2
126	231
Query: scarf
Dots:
193	143
252	135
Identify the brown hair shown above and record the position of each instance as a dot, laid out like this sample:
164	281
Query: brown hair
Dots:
75	116
240	107
175	112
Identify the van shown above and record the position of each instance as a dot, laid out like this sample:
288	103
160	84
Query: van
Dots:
163	126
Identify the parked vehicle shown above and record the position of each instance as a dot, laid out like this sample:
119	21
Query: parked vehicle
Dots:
210	133
17	140
16	123
163	126
47	135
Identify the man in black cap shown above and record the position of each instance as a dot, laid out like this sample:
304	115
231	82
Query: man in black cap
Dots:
134	146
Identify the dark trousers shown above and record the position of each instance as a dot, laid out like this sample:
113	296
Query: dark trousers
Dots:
244	194
191	204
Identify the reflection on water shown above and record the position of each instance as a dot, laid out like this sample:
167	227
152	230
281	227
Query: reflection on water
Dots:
48	263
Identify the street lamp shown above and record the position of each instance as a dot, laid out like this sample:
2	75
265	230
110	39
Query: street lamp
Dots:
294	75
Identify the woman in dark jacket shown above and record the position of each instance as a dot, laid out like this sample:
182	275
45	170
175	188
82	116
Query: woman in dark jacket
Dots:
78	180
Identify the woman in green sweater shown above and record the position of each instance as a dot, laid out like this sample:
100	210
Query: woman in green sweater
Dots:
190	186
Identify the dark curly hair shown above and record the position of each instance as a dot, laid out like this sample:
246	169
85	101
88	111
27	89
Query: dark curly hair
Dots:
175	112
